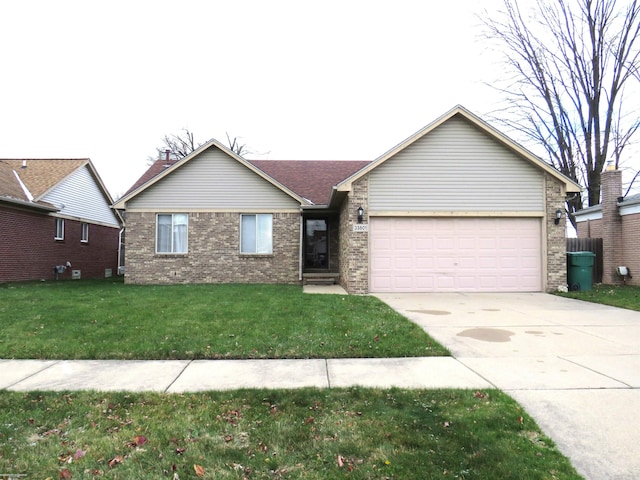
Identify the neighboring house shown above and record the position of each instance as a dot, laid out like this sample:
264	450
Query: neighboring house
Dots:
456	207
617	221
56	213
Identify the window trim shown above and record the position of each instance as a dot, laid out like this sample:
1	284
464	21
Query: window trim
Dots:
256	215
172	252
59	229
84	232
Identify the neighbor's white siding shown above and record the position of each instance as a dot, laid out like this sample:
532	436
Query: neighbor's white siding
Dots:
79	196
456	167
213	180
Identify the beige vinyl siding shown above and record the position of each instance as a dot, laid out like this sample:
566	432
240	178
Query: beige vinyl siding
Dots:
456	167
212	180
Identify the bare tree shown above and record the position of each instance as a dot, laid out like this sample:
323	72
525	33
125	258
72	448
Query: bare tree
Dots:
182	144
568	65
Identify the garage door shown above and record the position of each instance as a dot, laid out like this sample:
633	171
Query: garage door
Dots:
455	254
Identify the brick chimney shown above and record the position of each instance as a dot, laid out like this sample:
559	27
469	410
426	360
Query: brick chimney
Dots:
611	225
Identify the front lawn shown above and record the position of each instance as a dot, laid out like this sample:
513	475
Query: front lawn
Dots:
623	296
275	434
107	319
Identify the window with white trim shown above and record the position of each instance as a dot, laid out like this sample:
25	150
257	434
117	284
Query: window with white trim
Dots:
256	233
59	234
171	232
84	233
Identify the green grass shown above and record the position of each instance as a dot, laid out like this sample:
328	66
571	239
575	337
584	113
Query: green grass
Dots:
623	296
111	320
275	434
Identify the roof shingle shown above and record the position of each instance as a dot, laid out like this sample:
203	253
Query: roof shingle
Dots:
311	179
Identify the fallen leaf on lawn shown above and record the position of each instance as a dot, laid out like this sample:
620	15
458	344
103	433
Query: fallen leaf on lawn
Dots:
199	470
64	473
520	420
139	440
79	454
340	461
115	461
180	451
309	420
479	394
376	338
228	438
447	424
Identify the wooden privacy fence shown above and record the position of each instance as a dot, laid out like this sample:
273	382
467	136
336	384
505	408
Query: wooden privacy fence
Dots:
589	245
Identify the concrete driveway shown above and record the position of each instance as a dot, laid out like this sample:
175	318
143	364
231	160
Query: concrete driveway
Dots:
574	366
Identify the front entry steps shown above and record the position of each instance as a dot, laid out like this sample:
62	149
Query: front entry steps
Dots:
323	278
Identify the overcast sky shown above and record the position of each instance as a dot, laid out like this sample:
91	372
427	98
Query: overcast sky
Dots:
298	79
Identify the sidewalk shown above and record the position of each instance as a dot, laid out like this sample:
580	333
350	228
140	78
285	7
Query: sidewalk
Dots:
173	376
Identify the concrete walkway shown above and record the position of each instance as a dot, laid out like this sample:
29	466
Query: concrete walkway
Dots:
175	376
574	366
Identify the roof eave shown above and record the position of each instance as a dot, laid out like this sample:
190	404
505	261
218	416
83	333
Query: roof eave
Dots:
28	204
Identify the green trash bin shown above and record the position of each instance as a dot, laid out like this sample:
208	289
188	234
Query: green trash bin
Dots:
580	270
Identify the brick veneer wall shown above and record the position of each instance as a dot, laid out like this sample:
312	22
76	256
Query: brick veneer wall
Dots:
611	226
354	246
631	246
556	235
590	229
29	251
213	252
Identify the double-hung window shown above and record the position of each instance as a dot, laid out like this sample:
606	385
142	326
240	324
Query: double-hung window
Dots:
256	234
171	233
59	234
84	233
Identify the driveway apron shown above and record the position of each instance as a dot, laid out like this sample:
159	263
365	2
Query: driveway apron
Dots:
574	366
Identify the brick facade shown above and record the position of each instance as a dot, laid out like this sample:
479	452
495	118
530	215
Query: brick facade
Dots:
631	247
213	252
354	246
590	229
612	253
29	251
556	243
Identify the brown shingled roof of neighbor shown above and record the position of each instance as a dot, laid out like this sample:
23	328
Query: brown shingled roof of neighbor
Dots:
311	179
9	185
40	175
155	169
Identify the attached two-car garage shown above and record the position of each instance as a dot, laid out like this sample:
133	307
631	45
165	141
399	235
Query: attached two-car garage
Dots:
455	254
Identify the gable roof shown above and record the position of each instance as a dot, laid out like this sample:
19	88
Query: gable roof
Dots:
162	172
41	175
26	181
570	185
311	179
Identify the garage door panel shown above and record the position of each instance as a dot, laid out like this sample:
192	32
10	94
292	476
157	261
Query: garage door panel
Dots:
455	254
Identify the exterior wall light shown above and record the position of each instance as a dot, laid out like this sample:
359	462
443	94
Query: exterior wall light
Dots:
360	214
558	216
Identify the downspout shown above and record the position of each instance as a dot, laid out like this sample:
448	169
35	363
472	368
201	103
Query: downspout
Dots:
120	249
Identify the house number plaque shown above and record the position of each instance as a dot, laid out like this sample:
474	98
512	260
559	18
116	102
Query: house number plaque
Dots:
361	227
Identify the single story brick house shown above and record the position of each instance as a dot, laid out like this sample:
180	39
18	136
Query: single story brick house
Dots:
617	221
456	207
57	221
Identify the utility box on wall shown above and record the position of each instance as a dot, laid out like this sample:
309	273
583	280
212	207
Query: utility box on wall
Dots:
75	274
